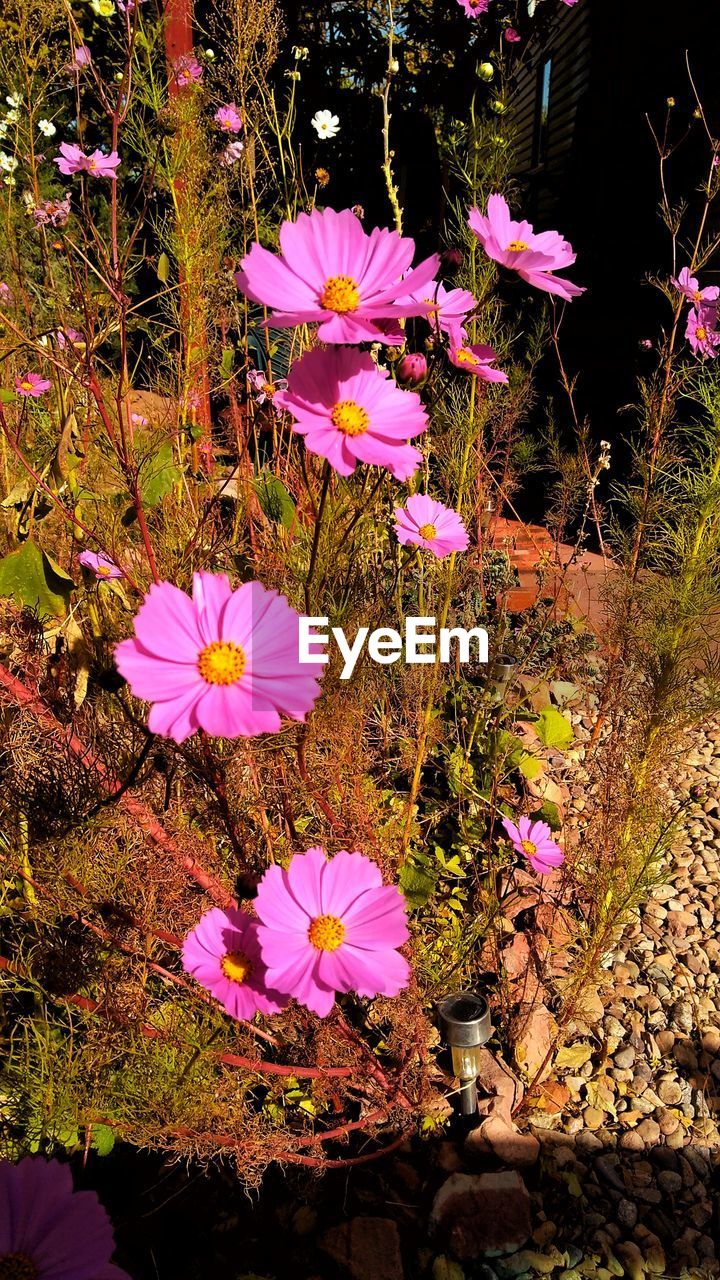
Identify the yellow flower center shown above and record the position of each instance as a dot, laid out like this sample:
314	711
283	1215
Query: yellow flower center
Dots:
221	662
236	966
326	933
103	570
17	1266
697	296
427	531
341	294
350	418
701	333
529	848
26	385
465	356
517	246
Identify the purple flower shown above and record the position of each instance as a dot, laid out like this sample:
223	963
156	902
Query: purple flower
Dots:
72	159
32	384
232	154
53	213
228	118
223	953
701	330
262	389
187	70
6	293
47	1230
534	840
83	55
511	35
103	568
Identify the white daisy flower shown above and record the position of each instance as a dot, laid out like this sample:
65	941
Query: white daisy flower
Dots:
47	128
325	124
8	163
13	100
12	115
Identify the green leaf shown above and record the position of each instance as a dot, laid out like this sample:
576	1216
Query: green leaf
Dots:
460	775
226	364
7	396
163	268
548	812
30	577
554	729
103	1139
530	767
158	475
416	883
275	501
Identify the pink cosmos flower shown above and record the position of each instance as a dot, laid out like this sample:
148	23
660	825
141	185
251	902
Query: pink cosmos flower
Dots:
53	213
427	523
72	159
223	953
515	245
701	330
351	411
264	391
534	840
100	565
474	8
329	925
224	661
229	118
477	359
688	285
47	1230
231	154
83	55
451	308
69	338
512	36
6	293
332	273
32	384
187	70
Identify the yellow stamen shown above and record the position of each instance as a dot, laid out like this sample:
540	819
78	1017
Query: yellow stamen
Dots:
350	418
529	848
17	1266
427	531
26	386
465	356
517	246
221	662
236	966
701	333
103	570
341	294
326	933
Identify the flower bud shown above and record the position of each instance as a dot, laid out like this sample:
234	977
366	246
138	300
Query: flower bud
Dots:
485	70
451	260
498	107
411	371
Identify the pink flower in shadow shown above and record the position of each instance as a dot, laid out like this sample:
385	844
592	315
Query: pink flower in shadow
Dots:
222	953
515	245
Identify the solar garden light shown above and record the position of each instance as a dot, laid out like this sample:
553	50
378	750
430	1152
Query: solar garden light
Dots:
465	1022
499	675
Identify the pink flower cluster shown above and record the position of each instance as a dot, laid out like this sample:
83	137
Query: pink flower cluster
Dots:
324	925
52	213
701	329
187	70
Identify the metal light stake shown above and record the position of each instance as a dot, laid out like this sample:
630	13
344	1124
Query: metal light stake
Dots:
465	1020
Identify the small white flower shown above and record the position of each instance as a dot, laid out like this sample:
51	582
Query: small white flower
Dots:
3	128
13	100
11	116
325	124
47	128
8	163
